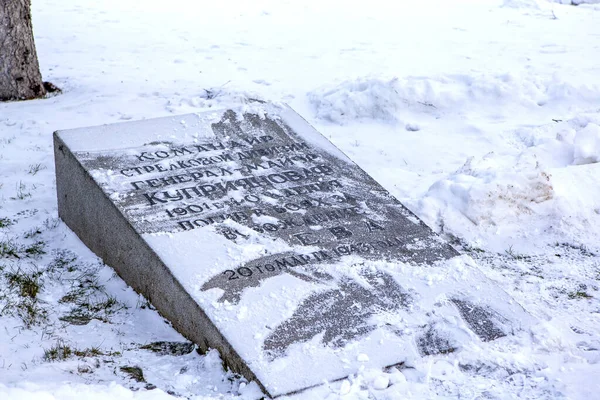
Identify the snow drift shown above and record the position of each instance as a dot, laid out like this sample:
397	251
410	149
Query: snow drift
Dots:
385	99
549	189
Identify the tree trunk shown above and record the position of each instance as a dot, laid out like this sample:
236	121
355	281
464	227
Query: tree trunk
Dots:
20	77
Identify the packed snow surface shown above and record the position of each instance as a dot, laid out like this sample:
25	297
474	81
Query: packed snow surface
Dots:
483	117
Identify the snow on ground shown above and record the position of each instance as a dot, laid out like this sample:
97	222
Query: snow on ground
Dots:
483	117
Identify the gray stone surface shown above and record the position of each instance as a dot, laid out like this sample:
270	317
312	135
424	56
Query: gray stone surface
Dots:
208	215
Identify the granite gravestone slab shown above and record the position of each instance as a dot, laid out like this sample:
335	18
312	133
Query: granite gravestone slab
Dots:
256	236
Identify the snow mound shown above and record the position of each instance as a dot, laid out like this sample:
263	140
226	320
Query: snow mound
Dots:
385	100
363	98
534	4
540	4
214	97
487	194
576	2
546	191
586	145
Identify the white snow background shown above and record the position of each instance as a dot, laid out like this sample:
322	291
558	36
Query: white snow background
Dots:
483	117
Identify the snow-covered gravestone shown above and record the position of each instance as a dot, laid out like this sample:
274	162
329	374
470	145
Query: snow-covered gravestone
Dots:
254	235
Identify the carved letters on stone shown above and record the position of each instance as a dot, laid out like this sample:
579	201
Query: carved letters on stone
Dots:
283	243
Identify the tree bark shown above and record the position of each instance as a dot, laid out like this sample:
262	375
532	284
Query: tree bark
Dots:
20	77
